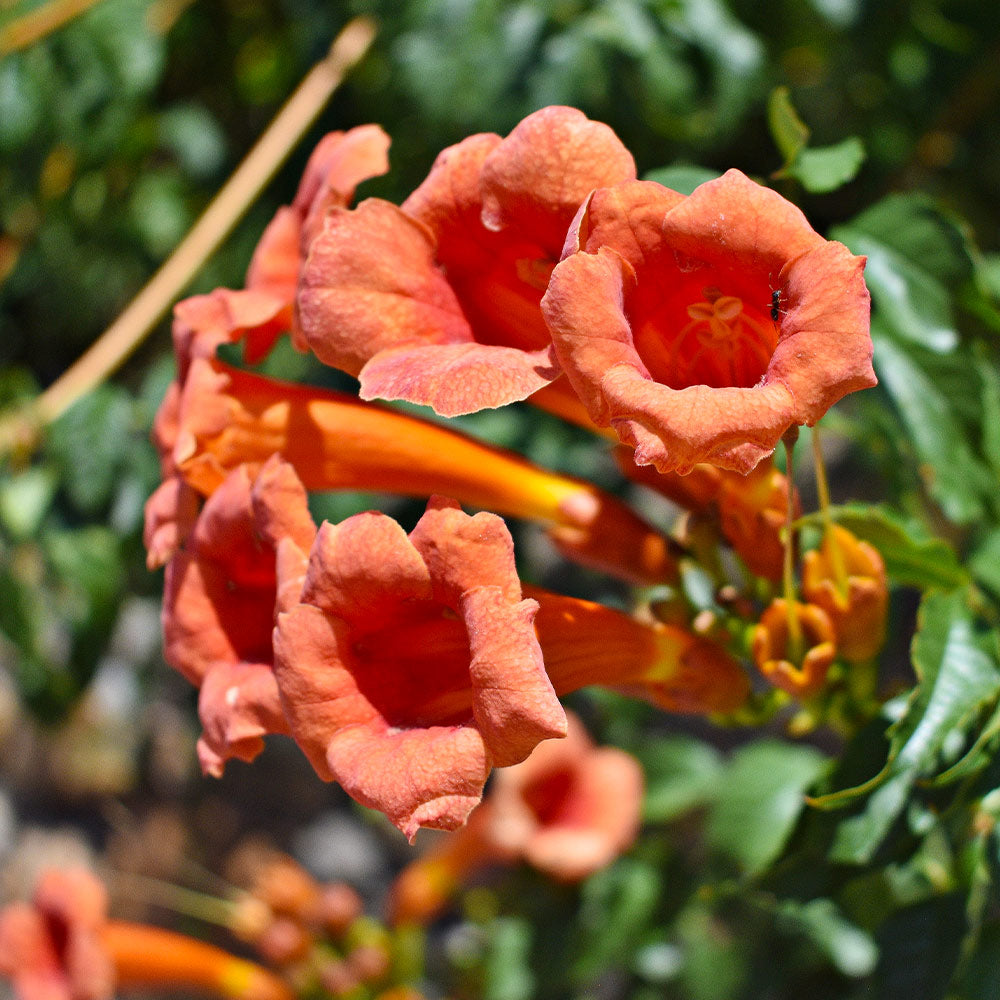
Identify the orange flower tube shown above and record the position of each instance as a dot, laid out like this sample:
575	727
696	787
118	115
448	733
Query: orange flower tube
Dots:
151	957
585	643
229	417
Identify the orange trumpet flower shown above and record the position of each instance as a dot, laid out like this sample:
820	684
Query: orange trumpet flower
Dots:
702	328
437	302
226	417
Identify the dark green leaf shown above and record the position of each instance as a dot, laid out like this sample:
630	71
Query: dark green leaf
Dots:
848	947
985	562
954	477
956	677
759	800
681	774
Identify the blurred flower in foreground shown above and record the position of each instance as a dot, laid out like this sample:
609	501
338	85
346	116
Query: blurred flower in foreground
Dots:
569	810
63	947
701	328
437	301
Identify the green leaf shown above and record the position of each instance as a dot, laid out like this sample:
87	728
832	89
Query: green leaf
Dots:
827	168
913	305
909	561
990	400
954	477
90	442
507	970
916	228
849	948
617	906
956	677
25	500
789	132
985	562
681	177
759	800
681	774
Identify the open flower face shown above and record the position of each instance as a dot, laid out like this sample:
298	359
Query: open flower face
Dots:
437	302
702	328
410	667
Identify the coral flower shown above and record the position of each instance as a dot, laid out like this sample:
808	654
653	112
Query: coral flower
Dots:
220	596
52	949
437	302
846	577
340	162
701	328
802	671
410	666
226	417
569	810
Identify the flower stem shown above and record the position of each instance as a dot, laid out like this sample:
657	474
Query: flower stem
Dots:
38	23
823	494
795	648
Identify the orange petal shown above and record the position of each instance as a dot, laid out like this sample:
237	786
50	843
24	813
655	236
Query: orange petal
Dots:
371	283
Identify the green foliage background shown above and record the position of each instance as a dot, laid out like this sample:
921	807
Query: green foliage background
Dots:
116	130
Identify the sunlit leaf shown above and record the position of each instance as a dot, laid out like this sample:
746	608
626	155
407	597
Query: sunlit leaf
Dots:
827	168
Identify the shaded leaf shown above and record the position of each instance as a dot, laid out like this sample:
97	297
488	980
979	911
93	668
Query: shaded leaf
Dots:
849	948
954	477
955	678
681	774
789	132
681	177
759	800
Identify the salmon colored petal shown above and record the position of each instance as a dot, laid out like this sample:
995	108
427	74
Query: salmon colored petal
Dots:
457	378
628	217
449	201
362	569
514	705
170	514
370	284
338	164
401	642
238	705
537	177
707	342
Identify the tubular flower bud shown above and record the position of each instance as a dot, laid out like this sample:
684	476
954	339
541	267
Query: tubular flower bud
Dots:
226	418
801	672
846	577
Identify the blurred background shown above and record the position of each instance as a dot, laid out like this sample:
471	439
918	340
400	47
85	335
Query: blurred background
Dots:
116	129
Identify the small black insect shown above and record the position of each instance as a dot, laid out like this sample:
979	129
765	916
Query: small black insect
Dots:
775	305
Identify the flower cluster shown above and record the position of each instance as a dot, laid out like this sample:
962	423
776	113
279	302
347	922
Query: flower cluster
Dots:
696	331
